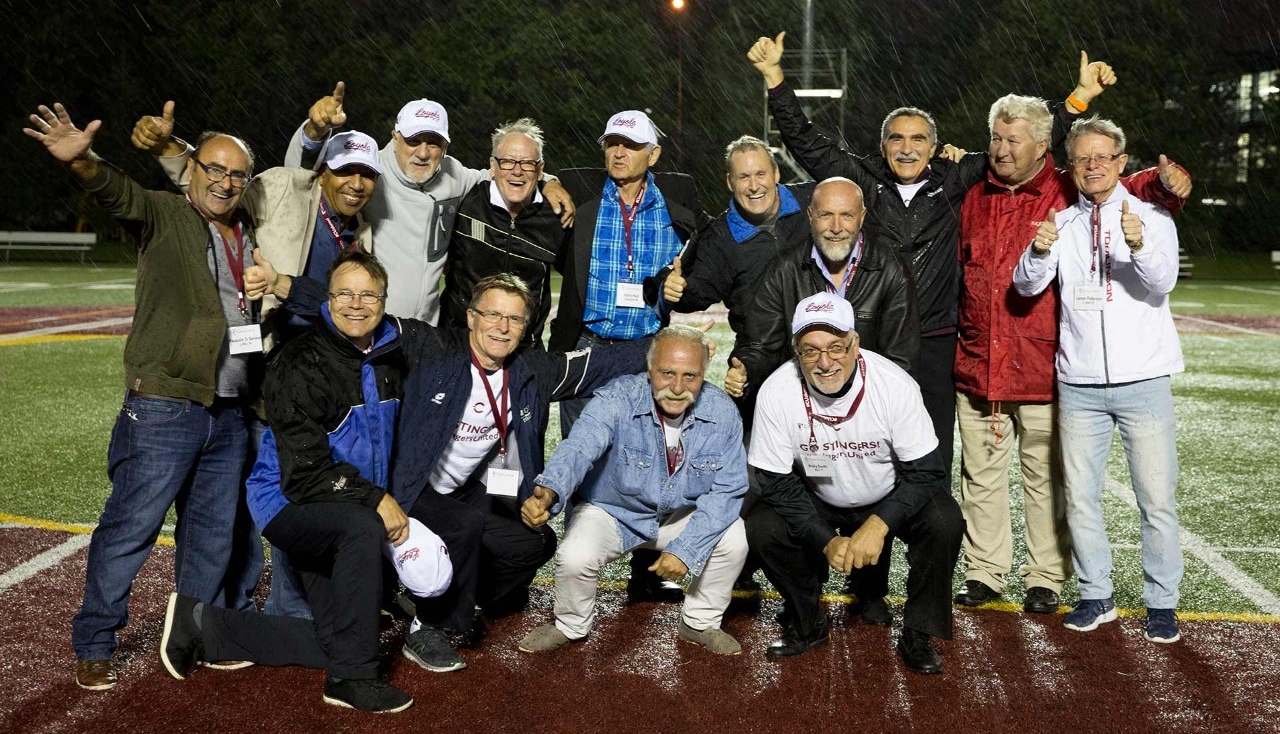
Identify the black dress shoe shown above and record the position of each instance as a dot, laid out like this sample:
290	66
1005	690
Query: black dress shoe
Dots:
1040	600
873	611
975	594
918	653
649	586
793	644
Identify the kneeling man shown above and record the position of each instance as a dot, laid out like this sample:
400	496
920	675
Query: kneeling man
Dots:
669	474
845	455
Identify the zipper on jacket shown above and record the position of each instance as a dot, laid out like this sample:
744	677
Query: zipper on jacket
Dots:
1102	275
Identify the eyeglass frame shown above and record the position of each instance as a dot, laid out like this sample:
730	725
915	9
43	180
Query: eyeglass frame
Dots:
525	165
493	318
216	174
817	353
366	298
1101	159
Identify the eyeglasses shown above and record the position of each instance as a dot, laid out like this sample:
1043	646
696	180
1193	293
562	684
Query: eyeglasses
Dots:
809	355
342	298
1097	160
215	174
493	317
507	164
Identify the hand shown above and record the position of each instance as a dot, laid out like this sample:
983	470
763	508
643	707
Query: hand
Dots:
394	519
535	510
154	134
326	114
670	567
837	553
1094	77
766	56
64	141
706	327
952	153
261	278
1132	226
1174	178
735	380
1047	234
673	286
560	201
867	543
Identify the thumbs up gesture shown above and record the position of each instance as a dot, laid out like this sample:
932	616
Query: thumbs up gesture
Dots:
153	133
1174	178
1132	227
735	380
1047	233
260	278
673	286
1094	78
326	114
766	55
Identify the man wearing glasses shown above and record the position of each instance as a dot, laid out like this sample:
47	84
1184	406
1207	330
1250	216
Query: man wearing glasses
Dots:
181	434
505	225
869	467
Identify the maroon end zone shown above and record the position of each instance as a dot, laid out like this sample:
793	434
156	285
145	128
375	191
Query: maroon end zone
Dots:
23	319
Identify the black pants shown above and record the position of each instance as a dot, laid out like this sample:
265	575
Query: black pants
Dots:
934	373
798	571
495	556
336	550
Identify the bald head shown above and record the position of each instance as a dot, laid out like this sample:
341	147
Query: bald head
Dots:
835	217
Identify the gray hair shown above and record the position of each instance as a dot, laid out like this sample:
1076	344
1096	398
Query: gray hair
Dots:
909	112
507	283
524	126
1095	126
1017	107
680	332
743	144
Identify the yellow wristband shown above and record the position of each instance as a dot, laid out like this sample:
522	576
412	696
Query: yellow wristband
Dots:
1076	104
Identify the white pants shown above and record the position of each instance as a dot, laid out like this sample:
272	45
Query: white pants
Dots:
592	541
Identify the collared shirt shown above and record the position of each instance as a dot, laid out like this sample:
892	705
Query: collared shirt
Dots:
854	253
654	242
621	434
495	196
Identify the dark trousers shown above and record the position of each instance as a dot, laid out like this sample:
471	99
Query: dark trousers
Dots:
336	550
934	374
495	556
798	570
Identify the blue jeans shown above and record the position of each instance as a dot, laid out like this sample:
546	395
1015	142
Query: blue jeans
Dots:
162	453
1087	415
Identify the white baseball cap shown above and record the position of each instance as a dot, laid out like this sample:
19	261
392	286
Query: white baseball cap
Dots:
422	561
823	309
633	125
351	149
423	116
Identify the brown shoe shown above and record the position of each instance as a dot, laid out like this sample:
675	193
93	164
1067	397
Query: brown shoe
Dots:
95	675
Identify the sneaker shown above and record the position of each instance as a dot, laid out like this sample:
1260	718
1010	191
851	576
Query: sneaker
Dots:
95	675
873	611
1162	626
430	648
543	639
1089	613
375	696
713	638
181	644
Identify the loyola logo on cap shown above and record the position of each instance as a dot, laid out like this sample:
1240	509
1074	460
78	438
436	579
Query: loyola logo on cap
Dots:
358	145
628	122
428	115
826	307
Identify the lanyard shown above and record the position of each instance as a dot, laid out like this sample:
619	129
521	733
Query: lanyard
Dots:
628	218
855	257
235	260
1096	225
499	416
832	420
327	215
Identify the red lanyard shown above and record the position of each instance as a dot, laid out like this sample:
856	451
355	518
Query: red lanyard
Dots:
629	217
326	215
499	416
832	420
851	270
1096	222
235	260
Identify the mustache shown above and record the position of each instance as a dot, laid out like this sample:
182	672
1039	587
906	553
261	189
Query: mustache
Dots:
667	393
906	158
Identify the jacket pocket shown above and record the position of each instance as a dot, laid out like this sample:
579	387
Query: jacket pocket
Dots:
634	473
702	471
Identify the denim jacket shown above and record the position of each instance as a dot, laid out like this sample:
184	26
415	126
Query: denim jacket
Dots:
621	424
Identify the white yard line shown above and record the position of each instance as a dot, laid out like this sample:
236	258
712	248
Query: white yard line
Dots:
48	330
1207	554
44	561
1220	325
29	287
1247	289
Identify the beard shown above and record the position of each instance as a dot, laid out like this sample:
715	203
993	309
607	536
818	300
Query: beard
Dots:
835	251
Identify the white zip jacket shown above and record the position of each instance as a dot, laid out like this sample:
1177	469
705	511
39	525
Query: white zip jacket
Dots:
1114	323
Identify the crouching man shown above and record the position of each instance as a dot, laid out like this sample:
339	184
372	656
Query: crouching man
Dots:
669	475
845	455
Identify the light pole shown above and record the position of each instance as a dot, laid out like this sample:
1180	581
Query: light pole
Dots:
678	7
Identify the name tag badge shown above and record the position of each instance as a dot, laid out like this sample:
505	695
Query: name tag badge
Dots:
630	295
502	482
818	465
1089	297
246	339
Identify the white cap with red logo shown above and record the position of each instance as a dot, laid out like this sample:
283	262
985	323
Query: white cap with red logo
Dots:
351	149
823	309
423	116
422	561
633	125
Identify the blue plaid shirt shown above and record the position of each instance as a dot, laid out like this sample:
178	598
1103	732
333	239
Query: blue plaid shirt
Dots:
654	242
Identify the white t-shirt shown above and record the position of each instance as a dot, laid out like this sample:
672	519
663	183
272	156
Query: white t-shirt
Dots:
891	422
909	191
473	438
